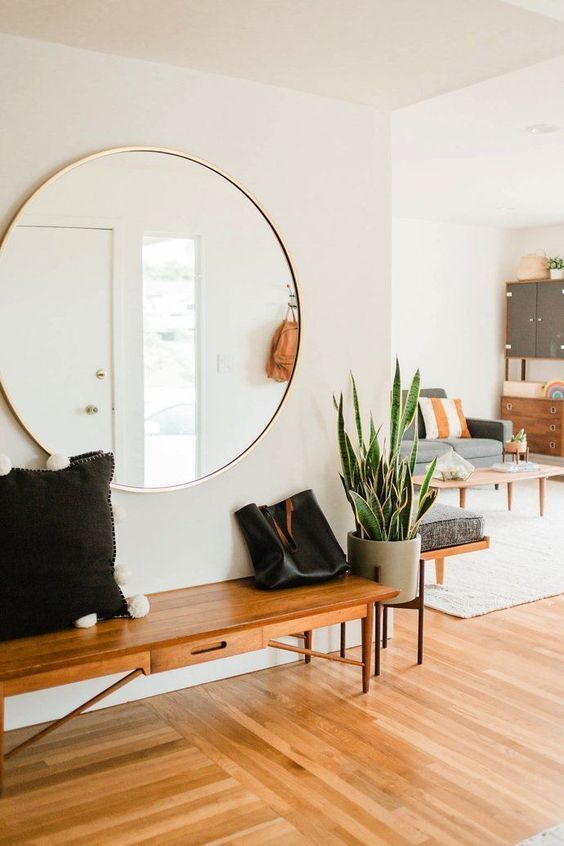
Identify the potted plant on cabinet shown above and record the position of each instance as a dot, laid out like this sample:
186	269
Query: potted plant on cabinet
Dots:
378	483
555	265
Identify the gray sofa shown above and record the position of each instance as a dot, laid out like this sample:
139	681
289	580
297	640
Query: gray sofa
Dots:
483	449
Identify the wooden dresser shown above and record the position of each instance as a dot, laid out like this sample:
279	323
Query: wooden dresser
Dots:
542	420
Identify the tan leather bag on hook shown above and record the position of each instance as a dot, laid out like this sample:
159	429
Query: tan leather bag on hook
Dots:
283	349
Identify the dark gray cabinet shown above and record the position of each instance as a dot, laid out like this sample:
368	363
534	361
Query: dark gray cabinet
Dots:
535	319
521	319
550	319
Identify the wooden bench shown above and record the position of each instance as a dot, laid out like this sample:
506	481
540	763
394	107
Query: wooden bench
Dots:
187	627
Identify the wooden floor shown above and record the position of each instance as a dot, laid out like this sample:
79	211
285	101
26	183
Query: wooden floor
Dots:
468	749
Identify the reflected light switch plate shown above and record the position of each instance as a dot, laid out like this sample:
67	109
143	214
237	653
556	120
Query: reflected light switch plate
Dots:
224	363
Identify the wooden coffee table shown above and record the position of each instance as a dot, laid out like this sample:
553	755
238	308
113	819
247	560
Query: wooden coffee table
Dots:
487	476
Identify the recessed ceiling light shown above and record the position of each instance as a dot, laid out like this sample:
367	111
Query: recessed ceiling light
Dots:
542	128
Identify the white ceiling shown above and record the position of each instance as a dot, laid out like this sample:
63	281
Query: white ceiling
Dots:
467	157
384	52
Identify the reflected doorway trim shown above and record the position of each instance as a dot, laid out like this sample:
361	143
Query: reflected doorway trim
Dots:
179	154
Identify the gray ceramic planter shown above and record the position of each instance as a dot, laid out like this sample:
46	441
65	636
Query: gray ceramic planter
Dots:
393	563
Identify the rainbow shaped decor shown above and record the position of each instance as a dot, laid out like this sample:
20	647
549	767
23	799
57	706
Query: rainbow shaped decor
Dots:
554	389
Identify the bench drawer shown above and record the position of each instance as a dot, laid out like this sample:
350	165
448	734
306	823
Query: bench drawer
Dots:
206	649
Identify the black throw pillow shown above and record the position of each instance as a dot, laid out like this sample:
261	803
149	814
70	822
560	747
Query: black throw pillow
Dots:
57	547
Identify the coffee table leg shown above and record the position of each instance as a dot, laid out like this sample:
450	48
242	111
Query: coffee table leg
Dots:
462	497
542	490
509	495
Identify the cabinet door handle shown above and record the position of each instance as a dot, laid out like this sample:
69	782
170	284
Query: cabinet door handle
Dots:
552	445
539	319
553	427
531	319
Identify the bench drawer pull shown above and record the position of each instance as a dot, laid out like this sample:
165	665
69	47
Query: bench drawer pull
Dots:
209	647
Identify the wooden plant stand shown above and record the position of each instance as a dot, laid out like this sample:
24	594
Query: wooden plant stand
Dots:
418	604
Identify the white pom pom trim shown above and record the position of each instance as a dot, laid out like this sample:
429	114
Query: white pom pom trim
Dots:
138	606
122	574
119	513
5	465
86	622
58	462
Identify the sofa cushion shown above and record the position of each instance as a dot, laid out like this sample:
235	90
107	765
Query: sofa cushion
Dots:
470	448
445	525
425	392
427	450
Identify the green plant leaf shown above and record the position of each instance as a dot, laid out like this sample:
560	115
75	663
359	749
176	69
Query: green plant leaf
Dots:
414	452
427	480
342	440
366	517
410	407
357	417
395	412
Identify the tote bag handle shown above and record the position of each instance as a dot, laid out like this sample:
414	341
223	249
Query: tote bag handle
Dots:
286	537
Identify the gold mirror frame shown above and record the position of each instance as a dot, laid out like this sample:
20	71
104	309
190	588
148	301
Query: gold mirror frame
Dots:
169	152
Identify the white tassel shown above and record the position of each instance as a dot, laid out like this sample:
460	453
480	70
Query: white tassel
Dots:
58	462
138	606
119	513
122	574
5	465
86	622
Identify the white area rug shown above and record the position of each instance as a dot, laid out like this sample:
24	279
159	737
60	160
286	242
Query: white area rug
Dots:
524	563
550	837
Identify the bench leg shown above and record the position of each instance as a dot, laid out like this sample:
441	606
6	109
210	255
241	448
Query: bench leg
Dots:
367	623
343	644
385	627
440	571
308	644
81	708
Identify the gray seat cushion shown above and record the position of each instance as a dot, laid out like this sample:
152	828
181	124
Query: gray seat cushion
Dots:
470	448
427	450
445	525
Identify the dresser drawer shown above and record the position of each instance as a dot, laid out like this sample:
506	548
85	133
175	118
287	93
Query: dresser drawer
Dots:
545	444
545	427
535	409
207	649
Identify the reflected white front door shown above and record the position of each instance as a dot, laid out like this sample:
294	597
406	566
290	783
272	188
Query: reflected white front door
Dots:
65	276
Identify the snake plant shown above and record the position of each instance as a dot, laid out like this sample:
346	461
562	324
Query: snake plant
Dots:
377	479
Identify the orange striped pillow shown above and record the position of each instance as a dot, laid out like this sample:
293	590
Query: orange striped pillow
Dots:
443	418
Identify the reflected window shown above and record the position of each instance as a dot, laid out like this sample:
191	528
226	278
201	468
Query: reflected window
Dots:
170	357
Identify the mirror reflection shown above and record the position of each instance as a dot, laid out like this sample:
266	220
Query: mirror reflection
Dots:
140	292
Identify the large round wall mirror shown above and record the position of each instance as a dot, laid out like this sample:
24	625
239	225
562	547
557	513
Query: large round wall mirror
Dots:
140	290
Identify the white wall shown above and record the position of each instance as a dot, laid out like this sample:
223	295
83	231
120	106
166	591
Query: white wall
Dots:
549	239
448	308
321	168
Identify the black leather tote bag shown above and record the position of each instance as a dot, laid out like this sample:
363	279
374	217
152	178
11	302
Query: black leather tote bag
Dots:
291	543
